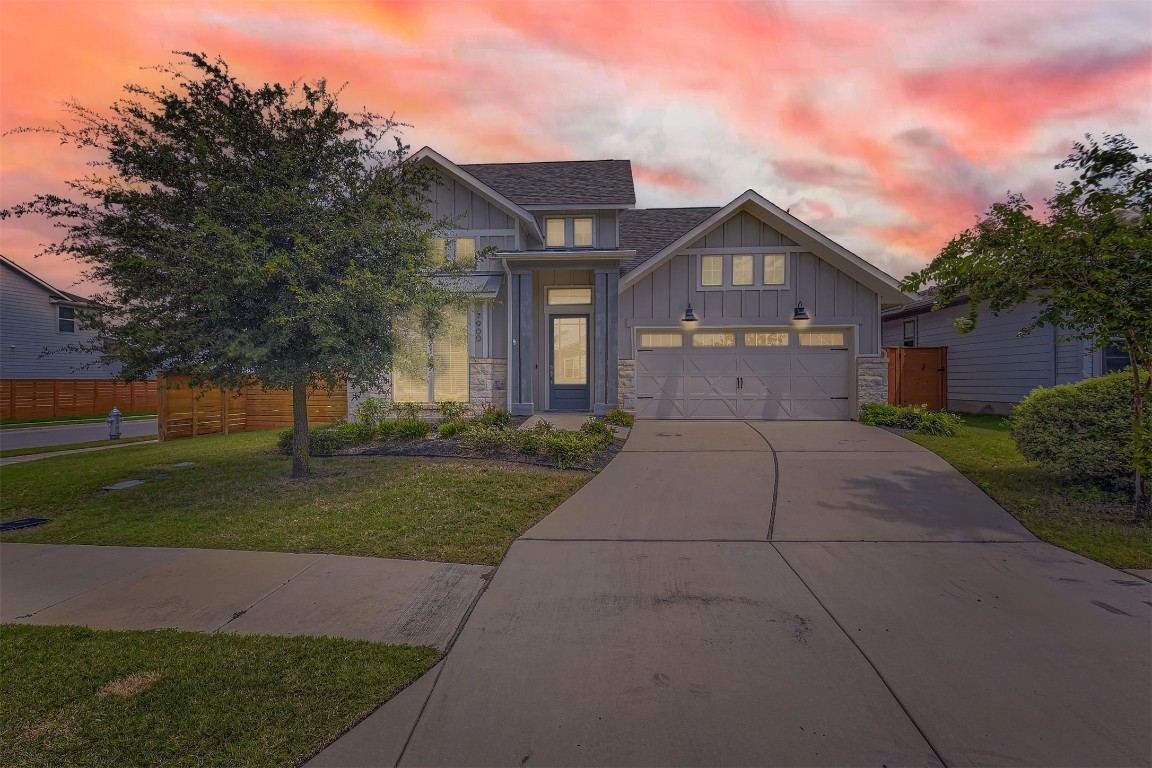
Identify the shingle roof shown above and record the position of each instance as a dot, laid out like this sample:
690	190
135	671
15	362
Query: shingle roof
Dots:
578	182
650	230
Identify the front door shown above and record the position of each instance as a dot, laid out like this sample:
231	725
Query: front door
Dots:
568	388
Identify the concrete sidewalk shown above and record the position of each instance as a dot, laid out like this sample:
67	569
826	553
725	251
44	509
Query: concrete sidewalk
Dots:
209	590
782	594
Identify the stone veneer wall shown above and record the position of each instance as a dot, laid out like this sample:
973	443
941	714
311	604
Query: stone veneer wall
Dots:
872	379
488	382
626	385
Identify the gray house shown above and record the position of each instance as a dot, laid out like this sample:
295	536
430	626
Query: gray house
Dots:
994	367
35	316
586	303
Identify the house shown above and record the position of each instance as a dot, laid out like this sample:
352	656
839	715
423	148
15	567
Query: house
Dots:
36	317
587	303
994	367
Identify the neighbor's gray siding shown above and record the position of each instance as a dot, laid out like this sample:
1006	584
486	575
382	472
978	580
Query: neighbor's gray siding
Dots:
994	365
830	296
604	223
28	326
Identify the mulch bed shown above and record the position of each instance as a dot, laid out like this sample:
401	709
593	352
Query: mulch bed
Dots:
449	448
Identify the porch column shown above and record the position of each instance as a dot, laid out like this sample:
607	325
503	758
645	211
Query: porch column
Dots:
604	374
521	364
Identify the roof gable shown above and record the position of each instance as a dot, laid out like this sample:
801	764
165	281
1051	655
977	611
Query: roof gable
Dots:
593	183
54	293
805	236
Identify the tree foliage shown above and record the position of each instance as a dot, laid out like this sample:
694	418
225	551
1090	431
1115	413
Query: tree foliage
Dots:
1086	264
246	235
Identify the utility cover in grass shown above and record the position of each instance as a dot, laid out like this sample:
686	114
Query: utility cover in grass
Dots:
123	484
24	522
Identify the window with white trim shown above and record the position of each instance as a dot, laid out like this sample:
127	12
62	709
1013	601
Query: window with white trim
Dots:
569	232
431	370
712	271
775	268
66	319
766	339
910	333
713	339
821	338
437	250
465	254
743	266
654	340
559	297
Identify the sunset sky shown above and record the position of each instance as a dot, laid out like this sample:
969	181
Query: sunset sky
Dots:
886	125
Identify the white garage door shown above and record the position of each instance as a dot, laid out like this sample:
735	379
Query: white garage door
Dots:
743	374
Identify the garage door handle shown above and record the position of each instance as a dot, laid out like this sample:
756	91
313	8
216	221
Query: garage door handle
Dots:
838	398
644	397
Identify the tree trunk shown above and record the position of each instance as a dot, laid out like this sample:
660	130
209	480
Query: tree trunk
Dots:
300	458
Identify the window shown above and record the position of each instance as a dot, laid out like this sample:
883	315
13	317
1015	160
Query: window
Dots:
654	340
742	270
713	339
711	270
465	251
582	233
821	338
774	268
766	339
909	333
563	232
555	233
413	379
436	250
558	297
1112	358
66	320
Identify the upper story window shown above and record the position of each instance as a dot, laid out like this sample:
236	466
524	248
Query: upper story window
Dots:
1114	358
568	231
744	270
462	250
909	333
66	319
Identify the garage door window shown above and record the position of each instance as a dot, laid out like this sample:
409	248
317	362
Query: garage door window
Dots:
766	339
655	340
713	339
822	339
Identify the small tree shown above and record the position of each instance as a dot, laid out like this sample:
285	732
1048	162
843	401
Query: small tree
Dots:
1087	265
246	236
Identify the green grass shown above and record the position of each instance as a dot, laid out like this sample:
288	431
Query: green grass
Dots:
74	446
238	495
1087	521
41	421
71	696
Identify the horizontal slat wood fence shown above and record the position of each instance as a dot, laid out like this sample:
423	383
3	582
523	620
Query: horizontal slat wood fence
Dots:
44	398
195	412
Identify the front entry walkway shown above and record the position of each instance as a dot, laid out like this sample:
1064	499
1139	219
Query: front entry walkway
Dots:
782	594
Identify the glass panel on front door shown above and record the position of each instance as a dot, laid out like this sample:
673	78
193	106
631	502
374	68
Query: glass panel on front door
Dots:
568	388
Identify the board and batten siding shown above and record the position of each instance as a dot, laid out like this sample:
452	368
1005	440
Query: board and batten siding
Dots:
473	215
994	364
28	326
830	296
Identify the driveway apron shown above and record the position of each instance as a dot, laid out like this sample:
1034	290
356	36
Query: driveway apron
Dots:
733	593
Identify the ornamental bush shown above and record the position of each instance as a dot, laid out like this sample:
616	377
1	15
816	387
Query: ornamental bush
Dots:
1080	431
619	418
329	438
913	417
492	416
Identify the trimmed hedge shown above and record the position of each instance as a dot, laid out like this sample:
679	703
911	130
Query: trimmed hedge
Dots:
1080	431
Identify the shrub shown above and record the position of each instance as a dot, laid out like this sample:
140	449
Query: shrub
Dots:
619	418
452	410
569	448
599	433
372	411
410	429
408	410
449	428
328	438
531	441
940	424
492	416
484	439
1080	431
884	415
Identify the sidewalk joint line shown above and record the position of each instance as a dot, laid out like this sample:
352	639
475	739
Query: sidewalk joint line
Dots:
860	650
273	591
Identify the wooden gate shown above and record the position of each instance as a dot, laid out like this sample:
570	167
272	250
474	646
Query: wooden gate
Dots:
918	376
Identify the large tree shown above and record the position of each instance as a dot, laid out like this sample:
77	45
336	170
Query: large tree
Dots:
246	235
1085	264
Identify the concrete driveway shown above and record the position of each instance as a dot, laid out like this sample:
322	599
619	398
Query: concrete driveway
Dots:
782	594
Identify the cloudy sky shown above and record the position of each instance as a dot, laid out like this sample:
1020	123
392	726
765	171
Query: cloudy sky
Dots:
886	125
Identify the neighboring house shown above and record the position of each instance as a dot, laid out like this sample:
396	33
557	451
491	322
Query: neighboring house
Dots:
34	317
994	367
586	303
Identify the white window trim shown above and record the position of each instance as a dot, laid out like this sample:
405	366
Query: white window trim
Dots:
904	334
757	270
591	296
570	232
73	319
471	315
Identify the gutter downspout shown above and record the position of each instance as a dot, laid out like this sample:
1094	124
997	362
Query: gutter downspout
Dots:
508	331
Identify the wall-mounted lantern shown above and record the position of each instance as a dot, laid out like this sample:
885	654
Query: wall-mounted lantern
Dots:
799	313
689	315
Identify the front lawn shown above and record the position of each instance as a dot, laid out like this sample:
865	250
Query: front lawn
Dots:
238	495
76	696
1083	520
